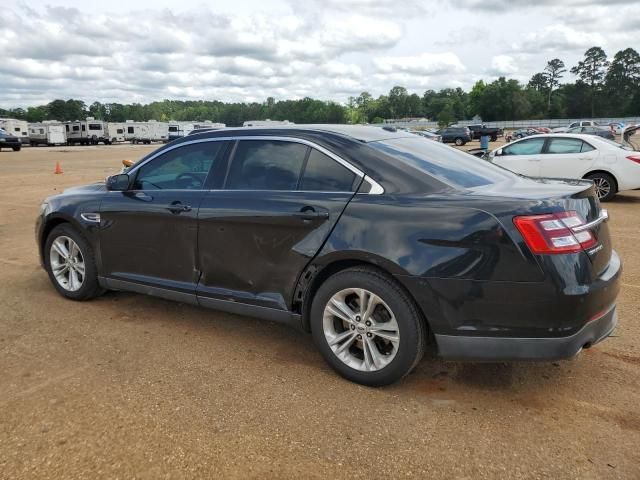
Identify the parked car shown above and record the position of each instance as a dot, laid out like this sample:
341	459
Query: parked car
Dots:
523	132
599	131
378	243
582	123
479	130
611	166
617	127
457	135
9	141
541	129
426	134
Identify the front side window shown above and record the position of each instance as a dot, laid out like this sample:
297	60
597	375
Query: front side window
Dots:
565	145
532	146
322	173
266	165
183	168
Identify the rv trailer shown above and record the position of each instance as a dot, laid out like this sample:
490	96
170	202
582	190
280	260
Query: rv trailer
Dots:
114	132
266	123
17	128
47	133
86	132
182	129
146	132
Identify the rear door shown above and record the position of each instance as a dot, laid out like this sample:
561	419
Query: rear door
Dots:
280	201
522	157
567	158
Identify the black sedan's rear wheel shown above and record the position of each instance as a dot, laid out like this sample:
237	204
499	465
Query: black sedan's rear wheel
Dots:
605	185
366	327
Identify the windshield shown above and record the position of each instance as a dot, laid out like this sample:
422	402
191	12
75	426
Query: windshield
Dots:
447	164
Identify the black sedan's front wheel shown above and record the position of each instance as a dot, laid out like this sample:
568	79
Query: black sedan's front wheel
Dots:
70	263
366	327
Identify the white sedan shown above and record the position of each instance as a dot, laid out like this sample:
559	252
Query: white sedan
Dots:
612	167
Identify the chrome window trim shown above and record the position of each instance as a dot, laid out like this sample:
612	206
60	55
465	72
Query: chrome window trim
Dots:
376	188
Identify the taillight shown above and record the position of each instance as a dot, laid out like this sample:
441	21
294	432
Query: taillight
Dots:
634	158
552	233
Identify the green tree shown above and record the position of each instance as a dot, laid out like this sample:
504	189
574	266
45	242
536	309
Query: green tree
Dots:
553	72
592	71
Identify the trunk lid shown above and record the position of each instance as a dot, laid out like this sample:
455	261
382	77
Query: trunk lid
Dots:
543	195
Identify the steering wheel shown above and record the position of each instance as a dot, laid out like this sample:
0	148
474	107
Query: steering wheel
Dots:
196	181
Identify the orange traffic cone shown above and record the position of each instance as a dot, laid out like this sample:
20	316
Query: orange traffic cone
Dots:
58	169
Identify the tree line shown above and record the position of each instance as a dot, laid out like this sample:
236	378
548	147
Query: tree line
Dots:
604	88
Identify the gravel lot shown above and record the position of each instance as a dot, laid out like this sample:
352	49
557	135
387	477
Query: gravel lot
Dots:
129	386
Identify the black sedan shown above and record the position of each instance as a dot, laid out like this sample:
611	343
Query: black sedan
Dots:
9	141
378	243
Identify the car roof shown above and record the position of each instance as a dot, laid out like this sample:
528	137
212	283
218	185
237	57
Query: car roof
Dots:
361	133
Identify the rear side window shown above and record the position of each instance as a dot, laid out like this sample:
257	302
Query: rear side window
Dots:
183	168
266	165
532	146
322	173
95	126
447	164
565	145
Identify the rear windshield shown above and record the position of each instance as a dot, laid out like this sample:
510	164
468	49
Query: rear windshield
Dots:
447	164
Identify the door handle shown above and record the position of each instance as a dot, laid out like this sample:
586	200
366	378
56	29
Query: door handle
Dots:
310	213
177	207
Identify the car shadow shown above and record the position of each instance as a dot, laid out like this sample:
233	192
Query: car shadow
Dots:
624	199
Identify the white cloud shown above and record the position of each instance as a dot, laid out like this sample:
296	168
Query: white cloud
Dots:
423	64
503	65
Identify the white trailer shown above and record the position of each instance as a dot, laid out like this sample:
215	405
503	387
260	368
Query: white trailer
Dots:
15	127
266	123
114	132
47	133
86	132
146	132
182	129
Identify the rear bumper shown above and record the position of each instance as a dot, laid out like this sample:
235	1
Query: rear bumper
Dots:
504	348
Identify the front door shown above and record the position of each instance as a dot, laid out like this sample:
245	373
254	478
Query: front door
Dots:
280	202
522	157
148	234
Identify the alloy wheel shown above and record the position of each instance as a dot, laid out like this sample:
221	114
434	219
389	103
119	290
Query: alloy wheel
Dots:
361	329
67	263
603	187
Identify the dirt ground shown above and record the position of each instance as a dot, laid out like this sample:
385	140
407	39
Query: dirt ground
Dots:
128	386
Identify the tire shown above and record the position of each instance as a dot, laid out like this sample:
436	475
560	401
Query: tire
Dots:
605	185
459	141
494	138
16	149
89	287
393	360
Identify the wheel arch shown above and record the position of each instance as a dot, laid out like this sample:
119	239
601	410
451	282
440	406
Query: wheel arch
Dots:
316	274
52	222
602	170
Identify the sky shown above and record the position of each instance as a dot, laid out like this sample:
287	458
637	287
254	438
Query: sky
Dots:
248	50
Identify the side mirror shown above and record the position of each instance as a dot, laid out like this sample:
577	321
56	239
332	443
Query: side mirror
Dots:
498	152
118	183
